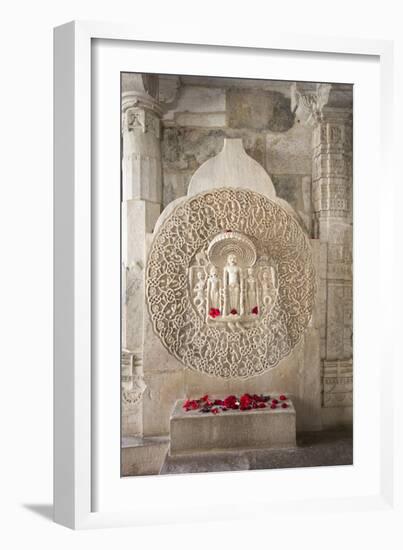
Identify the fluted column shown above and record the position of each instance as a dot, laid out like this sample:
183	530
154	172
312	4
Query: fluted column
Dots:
328	109
141	206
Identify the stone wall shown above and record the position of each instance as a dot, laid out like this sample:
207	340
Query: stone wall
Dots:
301	135
205	112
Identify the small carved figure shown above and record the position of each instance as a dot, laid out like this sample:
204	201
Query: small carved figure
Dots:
201	258
251	292
267	287
199	298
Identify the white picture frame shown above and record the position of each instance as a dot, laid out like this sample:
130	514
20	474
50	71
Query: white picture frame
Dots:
87	491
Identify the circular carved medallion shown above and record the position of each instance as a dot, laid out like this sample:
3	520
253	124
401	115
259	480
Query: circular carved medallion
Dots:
230	283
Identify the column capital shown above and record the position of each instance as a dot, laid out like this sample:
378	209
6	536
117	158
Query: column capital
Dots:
140	91
315	103
308	101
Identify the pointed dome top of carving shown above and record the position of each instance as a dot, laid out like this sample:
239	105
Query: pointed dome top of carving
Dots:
232	167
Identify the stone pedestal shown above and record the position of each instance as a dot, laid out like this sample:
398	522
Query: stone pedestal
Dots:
194	431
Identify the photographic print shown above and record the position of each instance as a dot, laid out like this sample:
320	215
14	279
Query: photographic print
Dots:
236	274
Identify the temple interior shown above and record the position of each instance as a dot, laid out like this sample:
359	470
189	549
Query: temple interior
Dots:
236	274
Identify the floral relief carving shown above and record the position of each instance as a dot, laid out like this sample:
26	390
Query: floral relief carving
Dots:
230	283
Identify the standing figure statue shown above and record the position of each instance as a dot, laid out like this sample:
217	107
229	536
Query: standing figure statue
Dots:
232	287
268	286
213	290
251	292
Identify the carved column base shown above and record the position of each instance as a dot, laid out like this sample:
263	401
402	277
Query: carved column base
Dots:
338	383
133	387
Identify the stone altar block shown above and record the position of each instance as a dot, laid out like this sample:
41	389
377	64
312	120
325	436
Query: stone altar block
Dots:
196	432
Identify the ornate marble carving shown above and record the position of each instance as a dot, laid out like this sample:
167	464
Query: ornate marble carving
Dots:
230	283
337	383
308	100
133	384
146	121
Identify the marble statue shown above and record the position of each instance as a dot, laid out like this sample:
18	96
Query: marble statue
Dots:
232	286
251	293
213	290
239	284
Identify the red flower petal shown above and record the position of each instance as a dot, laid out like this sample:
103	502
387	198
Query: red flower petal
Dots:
261	405
275	401
284	405
282	398
215	410
230	401
233	311
273	406
245	400
255	310
218	402
214	312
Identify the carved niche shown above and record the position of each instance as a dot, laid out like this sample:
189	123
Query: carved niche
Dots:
230	283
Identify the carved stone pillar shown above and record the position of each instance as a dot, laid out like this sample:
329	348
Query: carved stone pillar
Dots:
141	206
328	109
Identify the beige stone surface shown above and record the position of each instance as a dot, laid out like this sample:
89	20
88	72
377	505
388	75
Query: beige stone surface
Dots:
289	152
156	357
310	384
231	168
337	416
200	99
143	456
175	185
233	429
201	120
163	390
259	110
